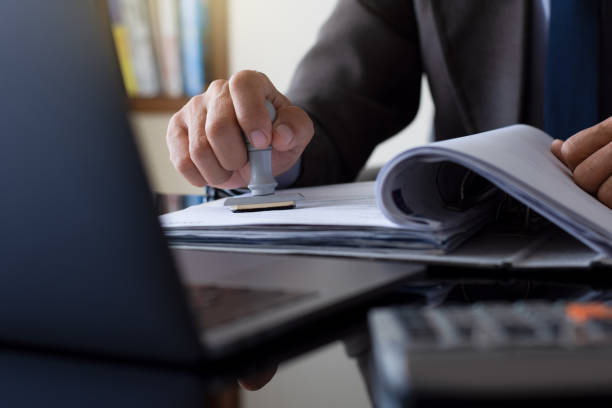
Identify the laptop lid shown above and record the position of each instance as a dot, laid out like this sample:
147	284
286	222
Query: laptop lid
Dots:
82	261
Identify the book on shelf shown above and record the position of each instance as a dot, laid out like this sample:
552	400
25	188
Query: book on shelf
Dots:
498	198
194	19
161	46
122	46
167	41
136	16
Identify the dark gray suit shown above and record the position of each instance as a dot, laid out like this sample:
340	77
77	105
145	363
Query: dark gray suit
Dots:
361	81
361	84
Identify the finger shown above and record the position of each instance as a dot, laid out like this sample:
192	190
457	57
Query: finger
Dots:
604	194
555	148
249	90
200	151
223	131
236	181
178	146
292	130
257	381
593	171
586	142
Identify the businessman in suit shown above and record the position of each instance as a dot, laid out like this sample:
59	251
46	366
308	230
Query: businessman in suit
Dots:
489	64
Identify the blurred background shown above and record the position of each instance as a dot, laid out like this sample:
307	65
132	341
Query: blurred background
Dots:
168	51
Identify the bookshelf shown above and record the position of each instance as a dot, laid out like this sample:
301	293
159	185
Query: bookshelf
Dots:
158	104
216	62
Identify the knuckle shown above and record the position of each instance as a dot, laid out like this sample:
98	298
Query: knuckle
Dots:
174	127
216	86
199	148
171	136
244	79
183	164
197	101
216	129
195	105
219	102
175	120
263	76
197	117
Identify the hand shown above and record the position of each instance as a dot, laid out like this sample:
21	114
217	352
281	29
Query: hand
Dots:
588	154
205	137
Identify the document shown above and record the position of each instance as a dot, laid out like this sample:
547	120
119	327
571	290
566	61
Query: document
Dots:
344	215
427	201
517	160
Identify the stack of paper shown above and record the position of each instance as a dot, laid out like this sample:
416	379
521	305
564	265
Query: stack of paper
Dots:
337	219
427	199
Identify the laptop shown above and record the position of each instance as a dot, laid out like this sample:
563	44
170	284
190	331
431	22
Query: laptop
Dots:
84	265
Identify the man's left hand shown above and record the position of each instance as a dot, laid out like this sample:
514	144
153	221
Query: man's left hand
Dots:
588	154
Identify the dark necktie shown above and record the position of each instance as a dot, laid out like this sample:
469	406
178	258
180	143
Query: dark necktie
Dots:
572	67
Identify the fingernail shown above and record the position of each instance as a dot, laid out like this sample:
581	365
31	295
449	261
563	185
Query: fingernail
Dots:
285	134
258	139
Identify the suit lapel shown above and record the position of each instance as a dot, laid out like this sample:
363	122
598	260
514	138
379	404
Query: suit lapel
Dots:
482	43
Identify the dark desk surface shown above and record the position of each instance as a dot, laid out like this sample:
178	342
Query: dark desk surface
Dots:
37	379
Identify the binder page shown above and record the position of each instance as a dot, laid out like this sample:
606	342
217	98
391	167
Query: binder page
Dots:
518	160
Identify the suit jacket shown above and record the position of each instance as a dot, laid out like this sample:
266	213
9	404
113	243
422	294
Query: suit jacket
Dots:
361	81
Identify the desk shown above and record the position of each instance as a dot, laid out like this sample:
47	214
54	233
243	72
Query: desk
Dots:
37	379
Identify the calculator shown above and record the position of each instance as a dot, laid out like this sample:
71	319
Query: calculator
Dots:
492	351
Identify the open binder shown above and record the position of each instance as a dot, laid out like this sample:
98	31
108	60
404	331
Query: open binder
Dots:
446	202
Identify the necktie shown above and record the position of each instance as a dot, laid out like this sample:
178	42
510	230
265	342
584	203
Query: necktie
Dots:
572	67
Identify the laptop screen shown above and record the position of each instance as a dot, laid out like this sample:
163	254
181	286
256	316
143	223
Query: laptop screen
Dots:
84	266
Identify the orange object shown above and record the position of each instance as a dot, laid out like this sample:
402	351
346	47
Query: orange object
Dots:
583	312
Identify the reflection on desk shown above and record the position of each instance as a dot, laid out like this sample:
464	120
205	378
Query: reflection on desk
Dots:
40	380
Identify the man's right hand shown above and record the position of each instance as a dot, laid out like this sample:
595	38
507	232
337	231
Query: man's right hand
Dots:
205	137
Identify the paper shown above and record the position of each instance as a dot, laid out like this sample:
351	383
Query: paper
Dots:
518	160
342	205
411	207
343	215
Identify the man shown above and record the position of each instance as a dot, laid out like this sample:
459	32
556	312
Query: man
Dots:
486	65
489	64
